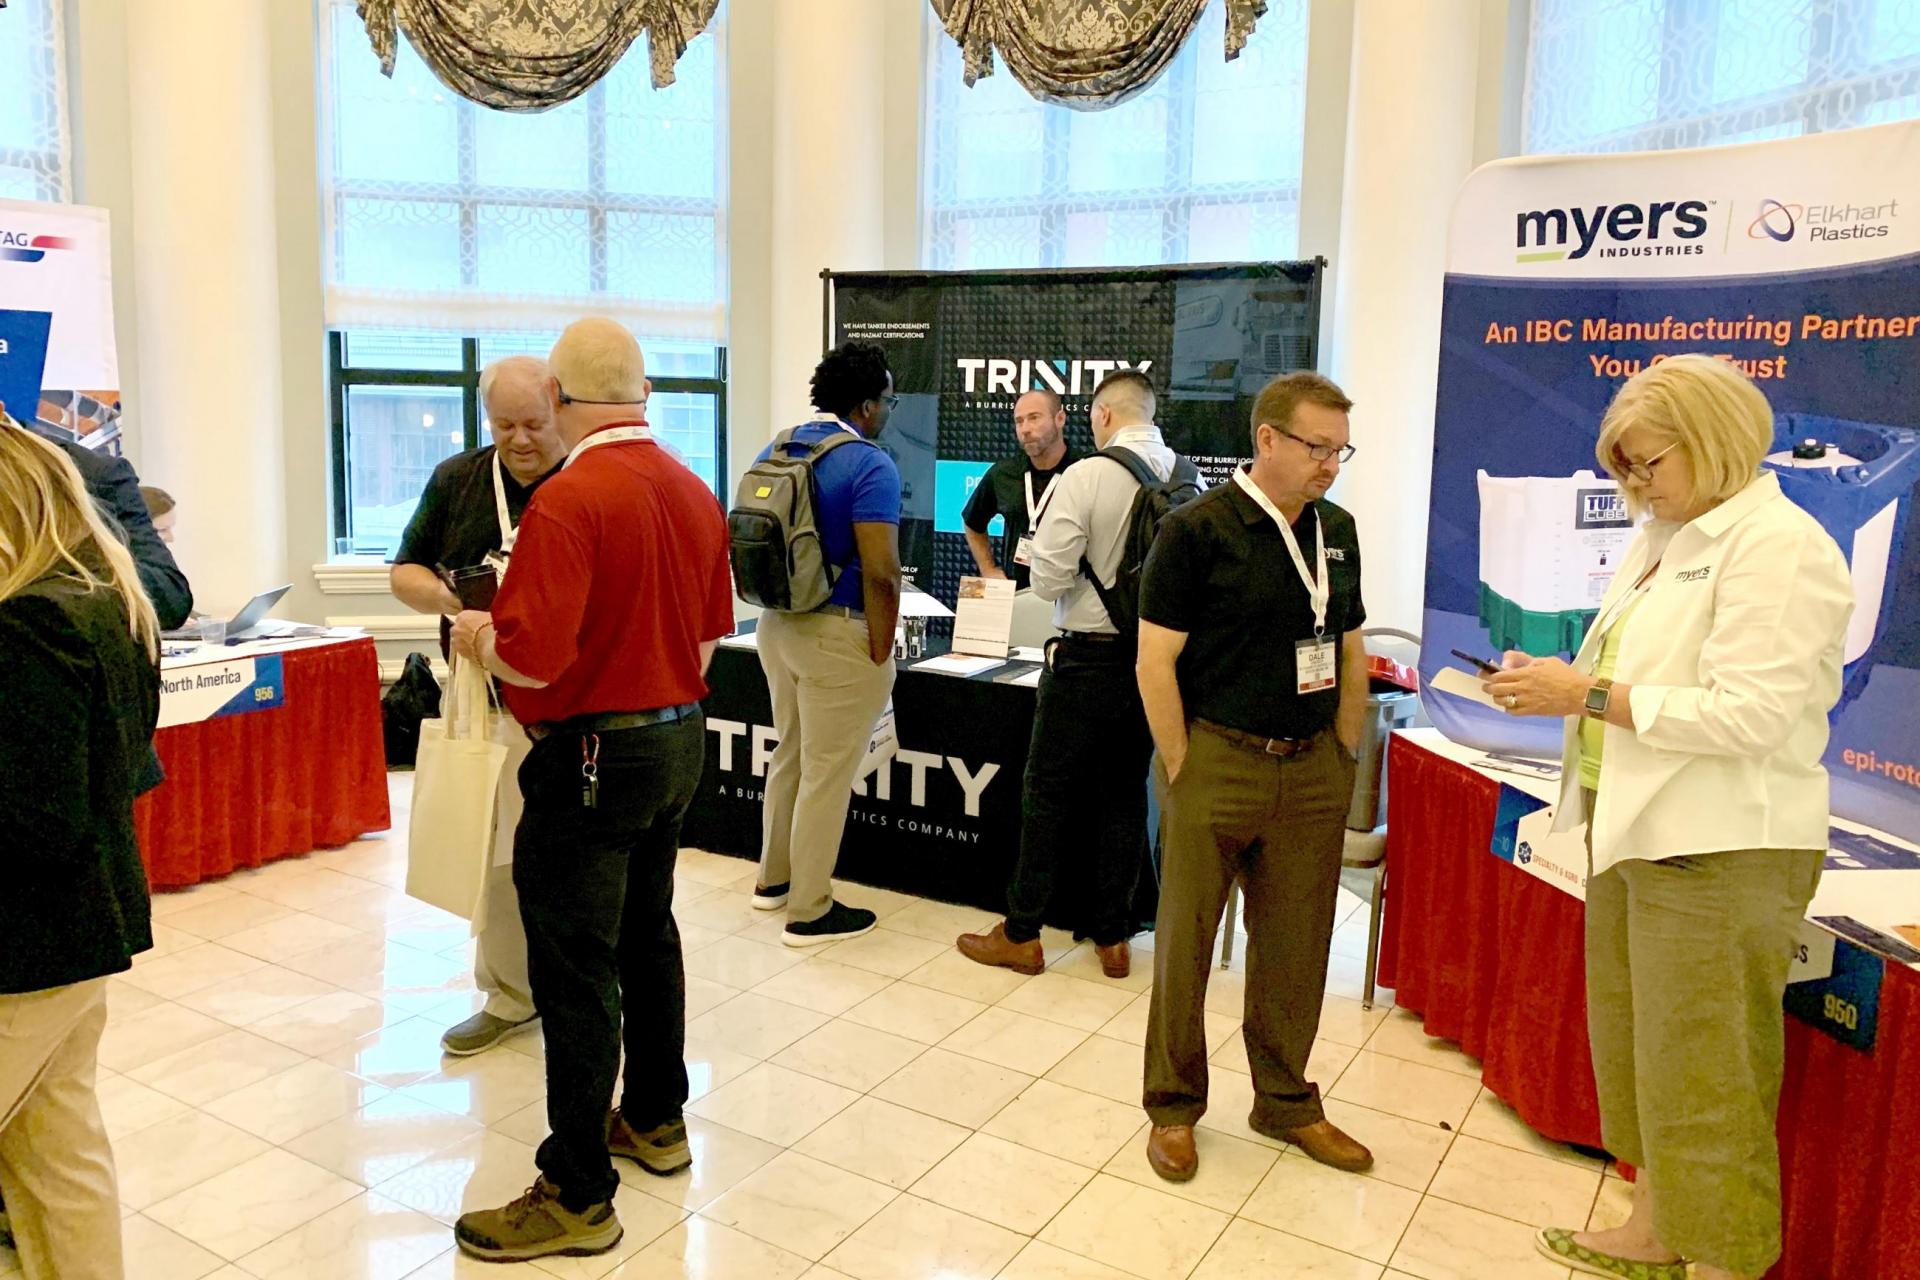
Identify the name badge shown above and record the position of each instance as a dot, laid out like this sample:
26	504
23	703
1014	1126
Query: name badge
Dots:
1316	665
1023	550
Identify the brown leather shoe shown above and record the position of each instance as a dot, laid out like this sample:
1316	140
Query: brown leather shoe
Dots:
1171	1152
995	948
1331	1147
1116	961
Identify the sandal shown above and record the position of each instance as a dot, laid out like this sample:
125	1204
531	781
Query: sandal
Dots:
1558	1243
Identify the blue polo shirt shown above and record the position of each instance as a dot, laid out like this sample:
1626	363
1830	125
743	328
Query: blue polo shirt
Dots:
857	484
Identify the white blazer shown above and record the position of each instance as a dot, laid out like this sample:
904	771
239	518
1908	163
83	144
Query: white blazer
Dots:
1734	659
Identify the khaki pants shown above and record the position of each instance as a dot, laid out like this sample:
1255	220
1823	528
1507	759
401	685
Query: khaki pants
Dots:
827	693
500	951
56	1164
1687	961
1279	826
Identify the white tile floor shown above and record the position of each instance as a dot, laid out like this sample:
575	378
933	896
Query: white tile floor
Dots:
879	1109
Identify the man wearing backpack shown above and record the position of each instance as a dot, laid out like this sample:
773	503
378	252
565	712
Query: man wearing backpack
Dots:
1254	677
829	665
1085	790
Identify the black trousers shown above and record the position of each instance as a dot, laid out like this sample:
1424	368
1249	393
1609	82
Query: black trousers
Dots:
1085	799
596	896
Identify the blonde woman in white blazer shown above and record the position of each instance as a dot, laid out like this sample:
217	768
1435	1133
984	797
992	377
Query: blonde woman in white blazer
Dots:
1696	718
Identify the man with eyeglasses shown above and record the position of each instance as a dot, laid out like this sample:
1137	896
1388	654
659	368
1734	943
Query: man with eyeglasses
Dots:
830	672
1254	678
605	622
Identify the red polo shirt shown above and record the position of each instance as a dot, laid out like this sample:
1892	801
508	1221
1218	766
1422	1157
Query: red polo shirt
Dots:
618	575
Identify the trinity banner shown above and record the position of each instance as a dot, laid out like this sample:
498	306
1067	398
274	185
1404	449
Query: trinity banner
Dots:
964	346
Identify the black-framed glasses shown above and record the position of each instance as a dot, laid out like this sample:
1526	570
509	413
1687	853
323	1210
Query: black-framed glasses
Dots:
1643	471
890	400
566	399
1320	452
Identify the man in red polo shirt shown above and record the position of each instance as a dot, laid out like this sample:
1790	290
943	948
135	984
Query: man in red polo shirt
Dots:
601	633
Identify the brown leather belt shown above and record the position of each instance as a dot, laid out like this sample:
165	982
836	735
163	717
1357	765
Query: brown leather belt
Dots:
1284	748
608	721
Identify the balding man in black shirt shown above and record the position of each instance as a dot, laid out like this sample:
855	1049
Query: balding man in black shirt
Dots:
1253	674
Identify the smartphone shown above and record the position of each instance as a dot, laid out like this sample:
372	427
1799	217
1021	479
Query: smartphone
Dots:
1483	666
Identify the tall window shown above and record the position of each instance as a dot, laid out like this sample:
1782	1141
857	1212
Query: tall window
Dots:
1632	75
33	102
456	234
1181	173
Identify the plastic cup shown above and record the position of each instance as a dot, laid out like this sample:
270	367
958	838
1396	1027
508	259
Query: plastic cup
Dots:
213	632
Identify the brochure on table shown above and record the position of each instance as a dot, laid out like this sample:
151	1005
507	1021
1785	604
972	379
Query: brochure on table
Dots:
983	624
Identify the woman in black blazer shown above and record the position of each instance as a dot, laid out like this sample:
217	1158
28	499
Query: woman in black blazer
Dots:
79	653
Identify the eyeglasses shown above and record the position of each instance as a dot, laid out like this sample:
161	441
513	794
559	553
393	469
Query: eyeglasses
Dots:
566	399
1643	471
1320	452
890	400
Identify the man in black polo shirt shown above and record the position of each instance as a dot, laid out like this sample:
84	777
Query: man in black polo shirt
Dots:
1254	679
1015	487
471	511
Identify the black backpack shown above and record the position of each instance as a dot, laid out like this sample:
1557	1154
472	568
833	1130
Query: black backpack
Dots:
774	541
1156	499
414	697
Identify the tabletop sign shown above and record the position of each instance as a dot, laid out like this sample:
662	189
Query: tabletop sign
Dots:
1844	1004
212	690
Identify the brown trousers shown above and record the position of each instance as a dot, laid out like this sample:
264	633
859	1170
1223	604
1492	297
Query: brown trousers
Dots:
1278	826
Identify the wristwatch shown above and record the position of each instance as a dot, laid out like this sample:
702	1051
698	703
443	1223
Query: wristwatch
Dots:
1598	697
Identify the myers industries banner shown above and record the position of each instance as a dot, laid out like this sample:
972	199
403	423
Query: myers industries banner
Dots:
1797	260
965	345
55	260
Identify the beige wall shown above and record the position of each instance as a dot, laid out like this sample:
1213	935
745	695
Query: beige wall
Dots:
759	112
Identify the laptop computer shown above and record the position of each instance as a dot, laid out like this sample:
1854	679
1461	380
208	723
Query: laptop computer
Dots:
248	618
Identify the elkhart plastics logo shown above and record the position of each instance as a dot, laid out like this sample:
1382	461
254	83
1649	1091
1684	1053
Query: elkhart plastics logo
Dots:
20	246
1783	221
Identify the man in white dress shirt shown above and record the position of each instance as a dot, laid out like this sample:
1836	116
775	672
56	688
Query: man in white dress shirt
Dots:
1085	787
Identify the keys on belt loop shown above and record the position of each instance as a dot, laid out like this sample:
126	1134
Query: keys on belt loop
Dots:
590	770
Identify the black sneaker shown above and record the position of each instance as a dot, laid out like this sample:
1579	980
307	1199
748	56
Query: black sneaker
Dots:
771	898
840	923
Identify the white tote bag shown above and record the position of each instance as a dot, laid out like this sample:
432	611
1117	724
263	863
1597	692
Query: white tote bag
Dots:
455	784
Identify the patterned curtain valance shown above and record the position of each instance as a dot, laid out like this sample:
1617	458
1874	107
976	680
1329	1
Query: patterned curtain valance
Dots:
1085	54
528	55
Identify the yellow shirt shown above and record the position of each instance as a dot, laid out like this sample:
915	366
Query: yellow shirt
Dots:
1593	732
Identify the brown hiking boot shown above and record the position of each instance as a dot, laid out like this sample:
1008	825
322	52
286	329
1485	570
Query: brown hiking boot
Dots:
537	1225
1116	961
661	1150
1171	1152
995	948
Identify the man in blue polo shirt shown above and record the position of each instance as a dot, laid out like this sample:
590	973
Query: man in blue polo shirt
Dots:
830	671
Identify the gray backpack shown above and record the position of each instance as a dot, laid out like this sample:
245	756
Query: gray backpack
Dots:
773	536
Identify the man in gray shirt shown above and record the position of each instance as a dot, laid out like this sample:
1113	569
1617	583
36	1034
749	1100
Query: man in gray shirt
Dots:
1085	787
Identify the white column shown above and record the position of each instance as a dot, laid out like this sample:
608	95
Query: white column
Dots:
206	275
1410	137
829	158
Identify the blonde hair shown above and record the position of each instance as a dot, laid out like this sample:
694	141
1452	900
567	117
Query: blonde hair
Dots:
1709	407
49	528
597	359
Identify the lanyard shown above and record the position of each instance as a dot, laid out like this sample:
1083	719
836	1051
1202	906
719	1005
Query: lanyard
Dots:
622	434
1033	504
1317	592
837	421
507	532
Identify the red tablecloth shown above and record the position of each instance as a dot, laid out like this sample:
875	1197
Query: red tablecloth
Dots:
1491	957
246	789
